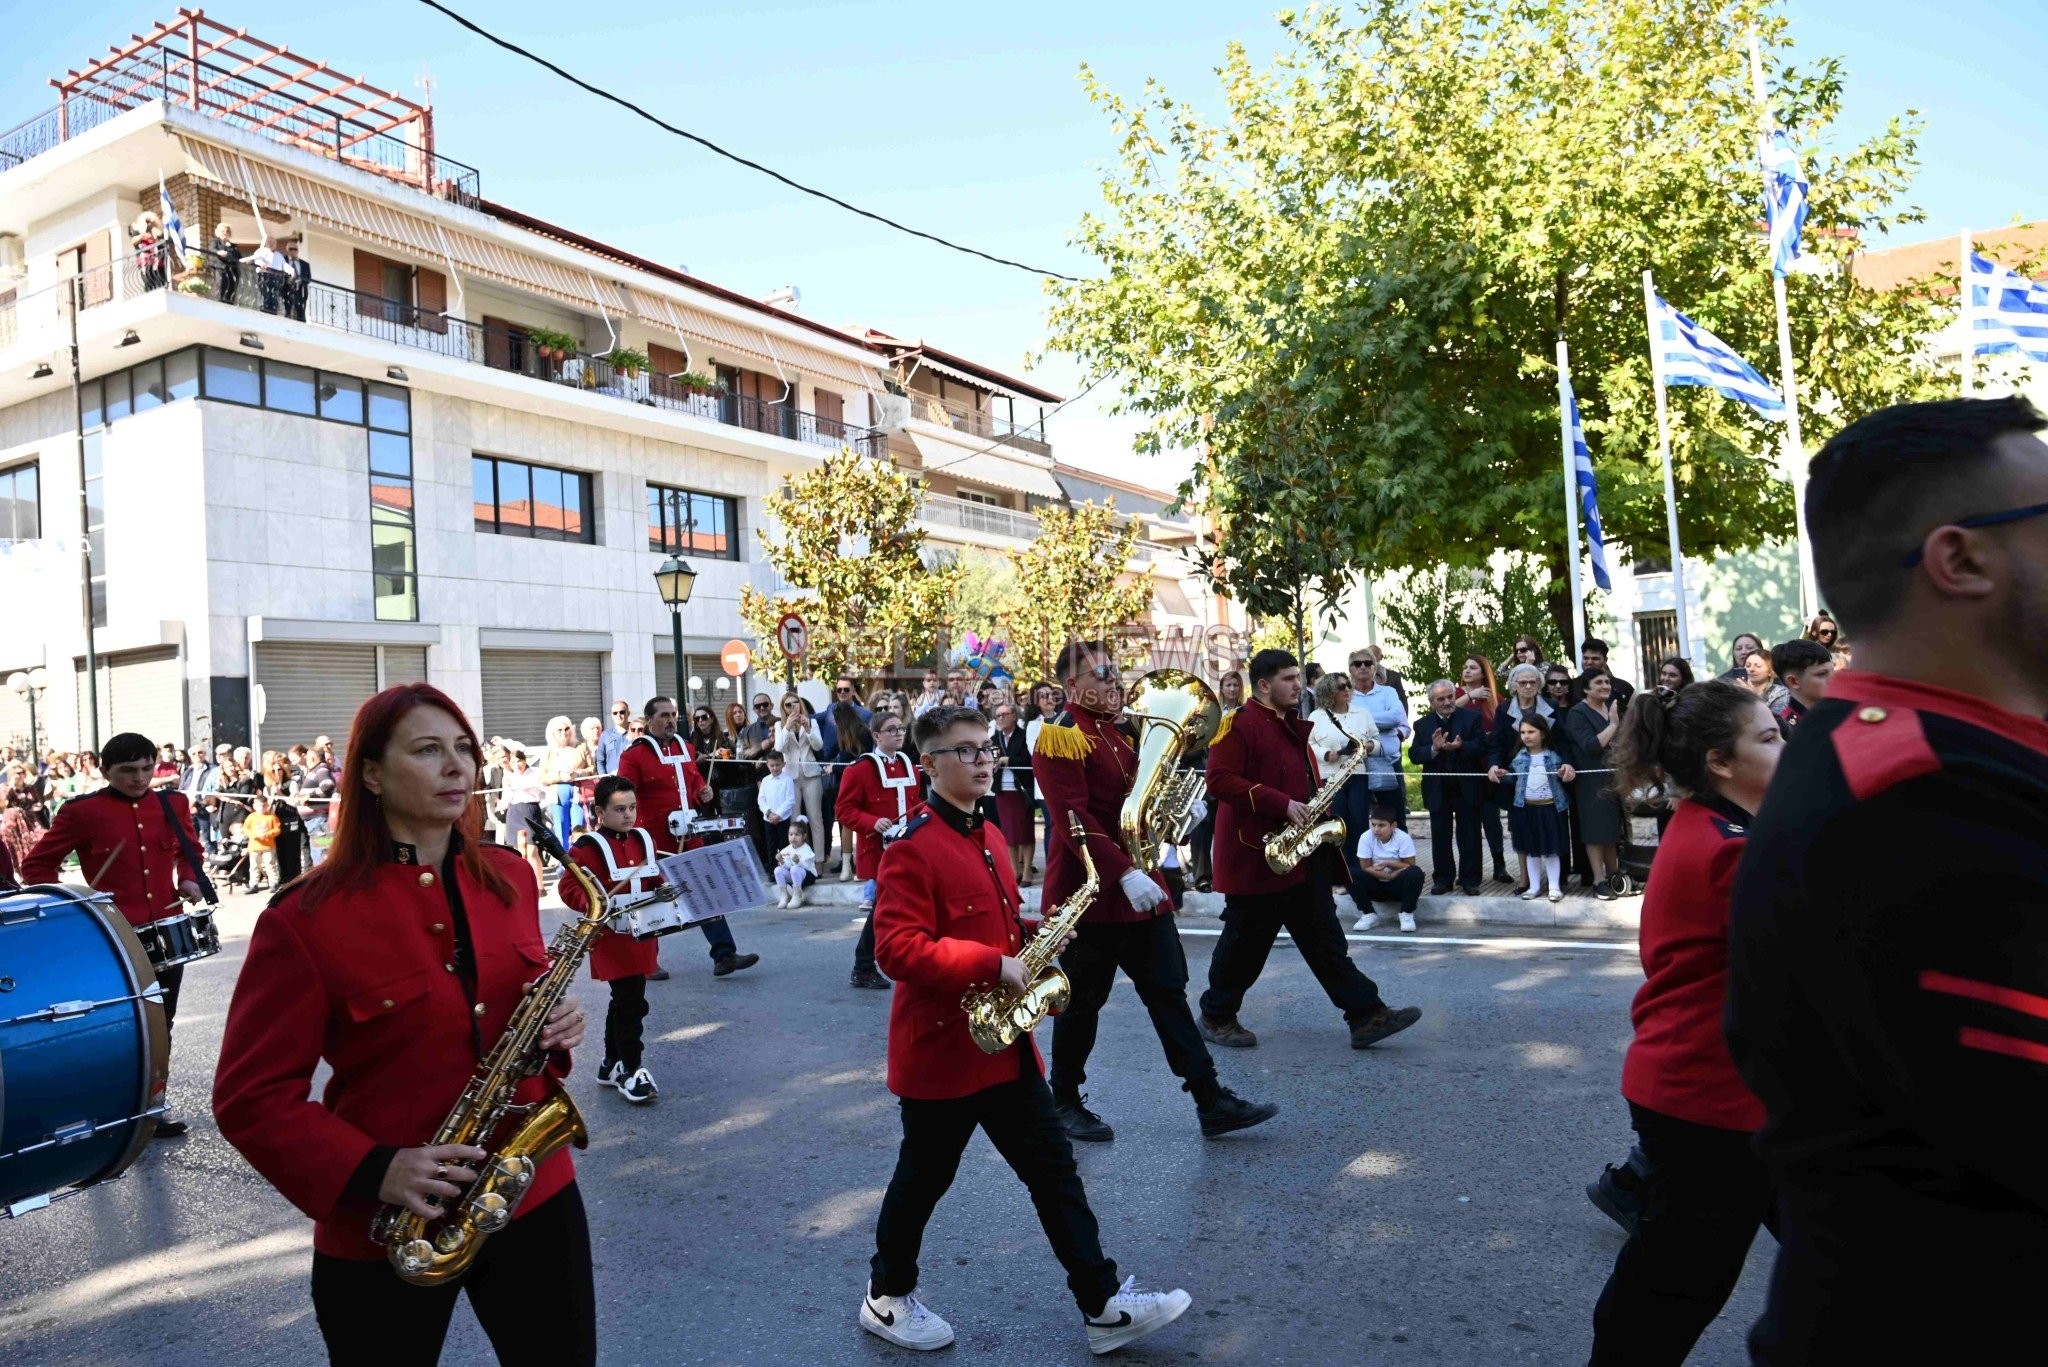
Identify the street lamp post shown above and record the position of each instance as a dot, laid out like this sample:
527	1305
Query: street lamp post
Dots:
30	684
92	664
674	578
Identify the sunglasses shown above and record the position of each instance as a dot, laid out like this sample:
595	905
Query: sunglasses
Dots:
1557	683
2032	510
764	707
1102	672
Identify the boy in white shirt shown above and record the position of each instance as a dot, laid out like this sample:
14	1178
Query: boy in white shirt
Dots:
1386	856
777	798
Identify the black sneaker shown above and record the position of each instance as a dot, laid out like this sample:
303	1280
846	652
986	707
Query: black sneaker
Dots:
1472	891
659	975
1439	889
867	977
1226	1032
1227	1111
733	963
167	1128
1082	1124
1382	1023
1618	1192
1604	890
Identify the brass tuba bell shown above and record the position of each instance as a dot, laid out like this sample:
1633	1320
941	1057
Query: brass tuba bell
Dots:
1176	714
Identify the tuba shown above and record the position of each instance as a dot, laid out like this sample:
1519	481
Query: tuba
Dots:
516	1138
1176	713
999	1016
1288	846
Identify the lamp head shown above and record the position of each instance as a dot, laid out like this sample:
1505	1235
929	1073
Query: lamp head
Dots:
674	578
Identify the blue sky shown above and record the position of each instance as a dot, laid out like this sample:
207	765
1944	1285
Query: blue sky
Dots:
967	121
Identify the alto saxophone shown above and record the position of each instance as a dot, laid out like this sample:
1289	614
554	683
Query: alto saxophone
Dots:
999	1016
1296	841
431	1252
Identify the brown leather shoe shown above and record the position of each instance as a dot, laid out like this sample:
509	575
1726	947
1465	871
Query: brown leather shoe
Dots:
1382	1023
1226	1032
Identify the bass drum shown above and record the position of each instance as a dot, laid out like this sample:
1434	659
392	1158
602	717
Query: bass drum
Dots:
84	1047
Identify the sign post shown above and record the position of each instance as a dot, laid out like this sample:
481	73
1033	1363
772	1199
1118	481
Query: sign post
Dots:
793	638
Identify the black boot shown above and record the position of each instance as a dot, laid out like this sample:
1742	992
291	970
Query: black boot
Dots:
1223	1110
1079	1122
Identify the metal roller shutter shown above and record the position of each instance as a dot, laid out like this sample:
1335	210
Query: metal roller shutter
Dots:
311	688
402	664
143	691
523	688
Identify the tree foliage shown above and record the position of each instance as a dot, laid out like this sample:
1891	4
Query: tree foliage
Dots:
1074	584
850	550
1348	292
986	594
1440	615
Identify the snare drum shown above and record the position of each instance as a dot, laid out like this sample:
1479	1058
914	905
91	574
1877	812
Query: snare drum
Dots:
712	829
84	1047
180	939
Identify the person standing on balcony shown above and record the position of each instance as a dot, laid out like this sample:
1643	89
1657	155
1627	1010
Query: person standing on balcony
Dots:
273	275
225	260
301	282
149	251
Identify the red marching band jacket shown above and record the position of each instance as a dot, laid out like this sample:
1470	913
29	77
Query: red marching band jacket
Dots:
946	912
622	864
368	984
140	852
665	780
875	791
1086	766
1258	763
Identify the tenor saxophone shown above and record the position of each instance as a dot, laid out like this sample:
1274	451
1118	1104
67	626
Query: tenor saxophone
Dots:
1292	843
999	1016
516	1139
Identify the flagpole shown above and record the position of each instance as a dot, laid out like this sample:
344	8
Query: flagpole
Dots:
1571	496
1795	447
1664	450
1967	304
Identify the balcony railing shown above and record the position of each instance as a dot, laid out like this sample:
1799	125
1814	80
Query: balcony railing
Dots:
967	515
975	422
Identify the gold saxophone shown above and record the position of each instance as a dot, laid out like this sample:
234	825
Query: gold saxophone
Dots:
1176	713
1292	843
430	1252
999	1016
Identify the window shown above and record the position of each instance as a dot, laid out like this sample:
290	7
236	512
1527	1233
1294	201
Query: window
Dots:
288	388
400	294
96	524
21	517
683	521
341	399
394	533
977	496
513	498
1657	633
232	378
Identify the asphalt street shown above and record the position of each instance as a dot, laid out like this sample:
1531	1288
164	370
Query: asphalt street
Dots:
1421	1202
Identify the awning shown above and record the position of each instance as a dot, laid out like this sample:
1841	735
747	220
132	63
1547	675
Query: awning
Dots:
929	362
985	467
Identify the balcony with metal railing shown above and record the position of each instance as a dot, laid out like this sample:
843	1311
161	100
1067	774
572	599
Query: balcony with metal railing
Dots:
964	514
977	422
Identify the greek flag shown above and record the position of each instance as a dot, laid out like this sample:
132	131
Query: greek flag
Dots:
1589	491
174	230
1784	201
1686	353
2007	311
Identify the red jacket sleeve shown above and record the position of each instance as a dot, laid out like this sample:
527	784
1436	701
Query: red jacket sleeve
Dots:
908	946
1229	783
857	785
66	834
1063	783
262	1086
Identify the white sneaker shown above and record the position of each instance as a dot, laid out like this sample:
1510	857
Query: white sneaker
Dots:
1132	1314
639	1088
904	1321
1367	921
1408	922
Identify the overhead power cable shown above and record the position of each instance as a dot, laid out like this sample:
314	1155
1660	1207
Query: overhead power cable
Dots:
709	145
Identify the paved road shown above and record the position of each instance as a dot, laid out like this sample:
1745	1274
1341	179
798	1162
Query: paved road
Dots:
1418	1203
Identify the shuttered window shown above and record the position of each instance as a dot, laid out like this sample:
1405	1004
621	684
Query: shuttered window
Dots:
523	688
142	690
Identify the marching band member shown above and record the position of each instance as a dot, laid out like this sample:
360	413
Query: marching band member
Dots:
398	962
620	855
666	782
1261	775
947	918
1086	765
135	845
877	796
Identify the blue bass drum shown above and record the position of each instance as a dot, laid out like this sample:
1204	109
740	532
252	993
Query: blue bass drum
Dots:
84	1049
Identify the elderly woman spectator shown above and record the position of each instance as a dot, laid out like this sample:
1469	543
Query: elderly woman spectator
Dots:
563	762
1589	729
1525	696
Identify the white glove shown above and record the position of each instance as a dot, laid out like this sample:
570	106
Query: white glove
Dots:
1143	893
679	822
889	830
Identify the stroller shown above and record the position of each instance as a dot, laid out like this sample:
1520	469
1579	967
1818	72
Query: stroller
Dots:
229	863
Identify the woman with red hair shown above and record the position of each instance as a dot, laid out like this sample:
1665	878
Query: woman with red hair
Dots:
398	962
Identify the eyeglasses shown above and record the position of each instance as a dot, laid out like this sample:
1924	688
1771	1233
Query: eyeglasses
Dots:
1980	520
970	754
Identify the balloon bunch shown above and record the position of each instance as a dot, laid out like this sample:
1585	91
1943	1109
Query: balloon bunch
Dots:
983	656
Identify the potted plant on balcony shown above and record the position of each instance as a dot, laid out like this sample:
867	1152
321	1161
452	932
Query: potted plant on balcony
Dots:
555	346
627	361
690	379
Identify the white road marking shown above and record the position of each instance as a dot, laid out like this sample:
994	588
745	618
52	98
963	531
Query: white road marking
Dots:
1498	942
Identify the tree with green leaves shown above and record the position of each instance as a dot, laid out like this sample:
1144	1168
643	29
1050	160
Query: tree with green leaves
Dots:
850	549
1073	584
1349	291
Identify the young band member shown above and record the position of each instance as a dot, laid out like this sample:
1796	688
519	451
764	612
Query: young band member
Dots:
135	845
398	961
1085	765
666	785
621	857
877	797
1260	776
946	920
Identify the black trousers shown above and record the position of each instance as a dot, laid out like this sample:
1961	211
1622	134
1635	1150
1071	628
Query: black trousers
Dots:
622	1021
1454	835
1306	912
1018	1119
1701	1204
1150	954
531	1289
864	948
171	979
1490	823
1404	887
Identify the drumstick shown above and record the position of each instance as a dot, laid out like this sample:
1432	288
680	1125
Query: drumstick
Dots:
94	881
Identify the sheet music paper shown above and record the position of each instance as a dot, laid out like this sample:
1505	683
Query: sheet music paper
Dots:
713	880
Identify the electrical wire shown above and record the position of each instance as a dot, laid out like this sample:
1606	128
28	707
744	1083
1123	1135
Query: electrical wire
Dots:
1050	412
711	146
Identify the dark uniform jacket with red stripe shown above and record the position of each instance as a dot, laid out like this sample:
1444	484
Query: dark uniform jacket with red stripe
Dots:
370	984
1259	764
147	858
622	863
1888	1003
946	912
665	779
1086	766
875	791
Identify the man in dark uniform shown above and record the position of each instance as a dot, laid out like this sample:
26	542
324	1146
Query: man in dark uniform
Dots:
1085	765
1261	777
1888	984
